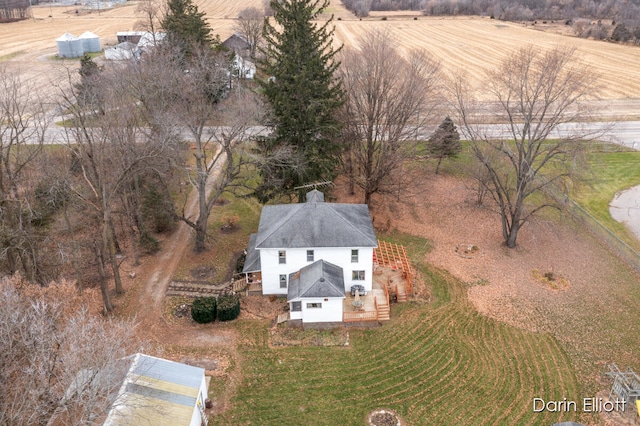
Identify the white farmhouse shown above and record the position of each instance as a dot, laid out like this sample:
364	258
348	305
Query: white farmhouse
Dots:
313	253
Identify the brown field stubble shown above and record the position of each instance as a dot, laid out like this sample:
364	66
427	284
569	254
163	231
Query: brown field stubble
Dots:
472	44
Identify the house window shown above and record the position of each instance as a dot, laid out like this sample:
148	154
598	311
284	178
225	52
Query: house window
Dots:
314	305
357	275
354	256
282	257
296	306
283	281
309	255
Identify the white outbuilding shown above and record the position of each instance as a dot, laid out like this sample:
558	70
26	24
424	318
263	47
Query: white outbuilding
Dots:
120	52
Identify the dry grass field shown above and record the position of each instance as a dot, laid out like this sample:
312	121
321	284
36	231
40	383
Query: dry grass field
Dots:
476	45
471	44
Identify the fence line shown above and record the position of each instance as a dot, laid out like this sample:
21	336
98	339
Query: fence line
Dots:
617	245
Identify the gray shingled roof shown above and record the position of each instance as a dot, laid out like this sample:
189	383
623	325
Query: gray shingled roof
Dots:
252	261
320	279
315	224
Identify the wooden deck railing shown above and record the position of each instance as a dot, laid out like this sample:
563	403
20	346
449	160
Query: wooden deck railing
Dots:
386	292
375	304
360	316
283	318
407	277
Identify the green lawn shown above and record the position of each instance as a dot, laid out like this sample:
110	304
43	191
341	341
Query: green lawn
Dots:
224	246
437	363
610	172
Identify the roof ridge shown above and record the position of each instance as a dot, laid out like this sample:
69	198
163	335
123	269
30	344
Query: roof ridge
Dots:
348	222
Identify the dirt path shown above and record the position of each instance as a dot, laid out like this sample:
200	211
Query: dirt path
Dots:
146	293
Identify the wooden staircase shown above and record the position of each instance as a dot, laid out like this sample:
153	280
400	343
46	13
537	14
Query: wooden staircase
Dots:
384	313
401	293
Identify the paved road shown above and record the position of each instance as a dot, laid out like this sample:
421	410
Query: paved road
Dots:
625	133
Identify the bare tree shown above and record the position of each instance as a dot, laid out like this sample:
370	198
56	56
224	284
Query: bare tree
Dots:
250	22
218	130
530	162
111	144
23	123
389	100
46	345
213	116
151	15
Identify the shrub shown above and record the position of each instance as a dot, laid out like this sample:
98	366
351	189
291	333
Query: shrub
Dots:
203	309
228	307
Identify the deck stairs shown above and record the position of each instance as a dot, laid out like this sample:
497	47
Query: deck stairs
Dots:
384	313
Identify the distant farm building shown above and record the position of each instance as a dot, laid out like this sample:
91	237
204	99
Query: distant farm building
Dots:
90	42
130	36
243	67
238	44
14	10
132	44
69	46
121	52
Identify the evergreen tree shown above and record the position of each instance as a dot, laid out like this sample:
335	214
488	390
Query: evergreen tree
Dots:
445	142
87	66
303	95
88	91
186	27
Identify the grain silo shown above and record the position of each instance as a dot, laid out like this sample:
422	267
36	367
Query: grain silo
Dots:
69	46
90	42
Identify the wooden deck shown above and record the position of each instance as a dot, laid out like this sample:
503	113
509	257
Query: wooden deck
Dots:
375	306
389	256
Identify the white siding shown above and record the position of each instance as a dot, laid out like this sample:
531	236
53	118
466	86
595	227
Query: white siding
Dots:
197	418
297	258
295	315
331	310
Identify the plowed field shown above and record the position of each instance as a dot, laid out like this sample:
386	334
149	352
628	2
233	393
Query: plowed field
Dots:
472	44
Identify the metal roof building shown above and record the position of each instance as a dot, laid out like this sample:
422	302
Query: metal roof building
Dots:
156	391
90	42
69	46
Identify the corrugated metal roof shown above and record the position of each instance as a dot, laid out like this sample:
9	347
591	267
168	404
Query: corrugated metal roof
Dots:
88	34
156	391
67	37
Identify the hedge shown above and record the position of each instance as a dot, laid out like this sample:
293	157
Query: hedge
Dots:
203	309
228	307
